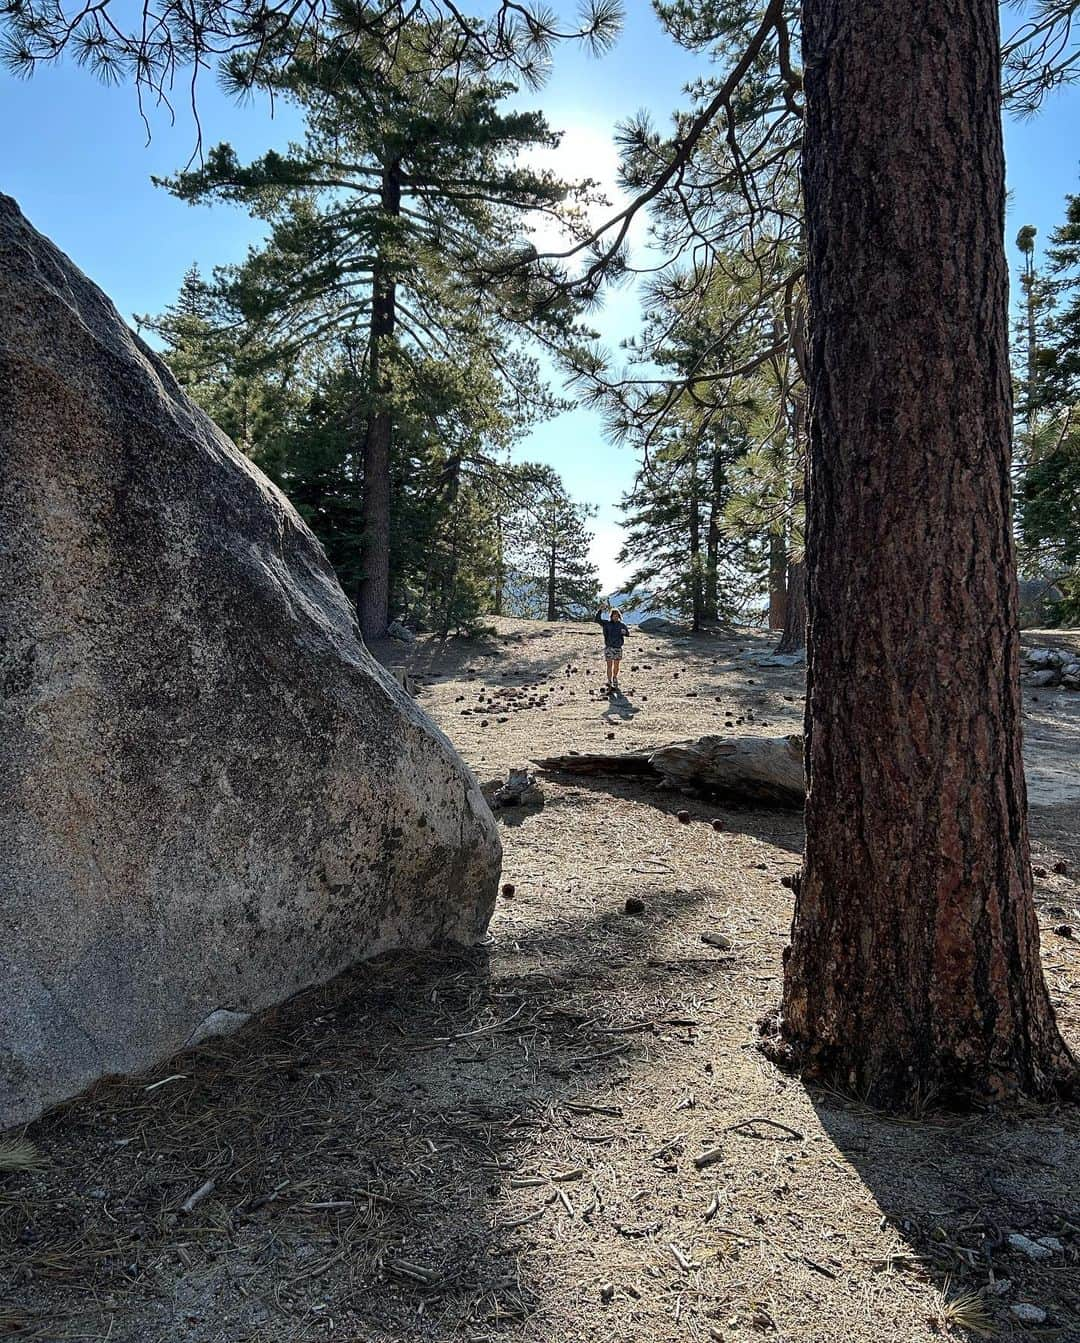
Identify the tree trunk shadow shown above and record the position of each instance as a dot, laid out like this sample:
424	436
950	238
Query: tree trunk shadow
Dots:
984	1205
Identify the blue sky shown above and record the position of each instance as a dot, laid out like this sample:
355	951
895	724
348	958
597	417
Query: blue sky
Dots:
75	155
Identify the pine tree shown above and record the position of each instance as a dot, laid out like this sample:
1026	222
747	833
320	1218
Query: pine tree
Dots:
253	404
394	226
1049	411
680	552
552	571
450	481
914	961
1058	356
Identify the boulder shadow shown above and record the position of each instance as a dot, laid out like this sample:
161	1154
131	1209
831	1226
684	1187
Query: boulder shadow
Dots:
369	1153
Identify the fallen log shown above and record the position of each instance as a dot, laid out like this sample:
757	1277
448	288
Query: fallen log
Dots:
764	770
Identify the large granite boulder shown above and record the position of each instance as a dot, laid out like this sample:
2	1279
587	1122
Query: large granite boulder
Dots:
210	794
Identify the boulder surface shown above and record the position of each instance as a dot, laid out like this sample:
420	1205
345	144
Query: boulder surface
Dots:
211	795
1038	597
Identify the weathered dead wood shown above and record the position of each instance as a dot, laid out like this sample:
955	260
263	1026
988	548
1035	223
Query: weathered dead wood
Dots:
747	769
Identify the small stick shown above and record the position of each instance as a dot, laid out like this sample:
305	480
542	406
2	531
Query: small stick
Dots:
667	1147
203	1191
415	1271
743	1125
681	1258
709	1158
176	1077
523	1221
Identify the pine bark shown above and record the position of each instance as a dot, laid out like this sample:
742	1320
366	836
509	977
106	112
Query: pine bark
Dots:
793	636
374	601
500	568
777	582
697	593
793	627
712	558
914	962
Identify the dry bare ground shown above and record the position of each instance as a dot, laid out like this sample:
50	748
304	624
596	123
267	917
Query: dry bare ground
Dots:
567	1135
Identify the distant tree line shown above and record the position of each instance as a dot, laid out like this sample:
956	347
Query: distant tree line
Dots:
1047	372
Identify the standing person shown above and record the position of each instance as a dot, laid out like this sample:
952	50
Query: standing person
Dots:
614	634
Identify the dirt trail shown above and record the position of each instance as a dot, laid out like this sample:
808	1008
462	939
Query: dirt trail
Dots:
567	1135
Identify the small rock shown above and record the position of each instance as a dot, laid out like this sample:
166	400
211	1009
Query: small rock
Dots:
1062	869
1050	676
222	1021
1052	1244
607	1291
717	823
1044	657
634	905
684	817
1039	872
1027	1313
396	630
1000	1287
508	890
717	940
1064	930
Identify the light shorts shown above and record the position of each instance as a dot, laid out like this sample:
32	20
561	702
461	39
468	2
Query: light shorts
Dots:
612	654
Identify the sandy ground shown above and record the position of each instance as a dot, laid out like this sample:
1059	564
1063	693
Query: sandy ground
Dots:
569	1134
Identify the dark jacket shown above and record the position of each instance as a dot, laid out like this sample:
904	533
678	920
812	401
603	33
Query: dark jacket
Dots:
614	630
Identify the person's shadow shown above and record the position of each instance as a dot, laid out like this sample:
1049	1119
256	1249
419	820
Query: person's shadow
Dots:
619	709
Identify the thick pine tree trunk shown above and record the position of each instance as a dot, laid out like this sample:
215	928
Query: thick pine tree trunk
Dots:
375	585
697	593
914	963
500	567
450	493
712	539
712	560
793	627
777	582
793	638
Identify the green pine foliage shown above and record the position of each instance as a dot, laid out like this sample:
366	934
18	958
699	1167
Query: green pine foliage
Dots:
1048	411
549	571
386	302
